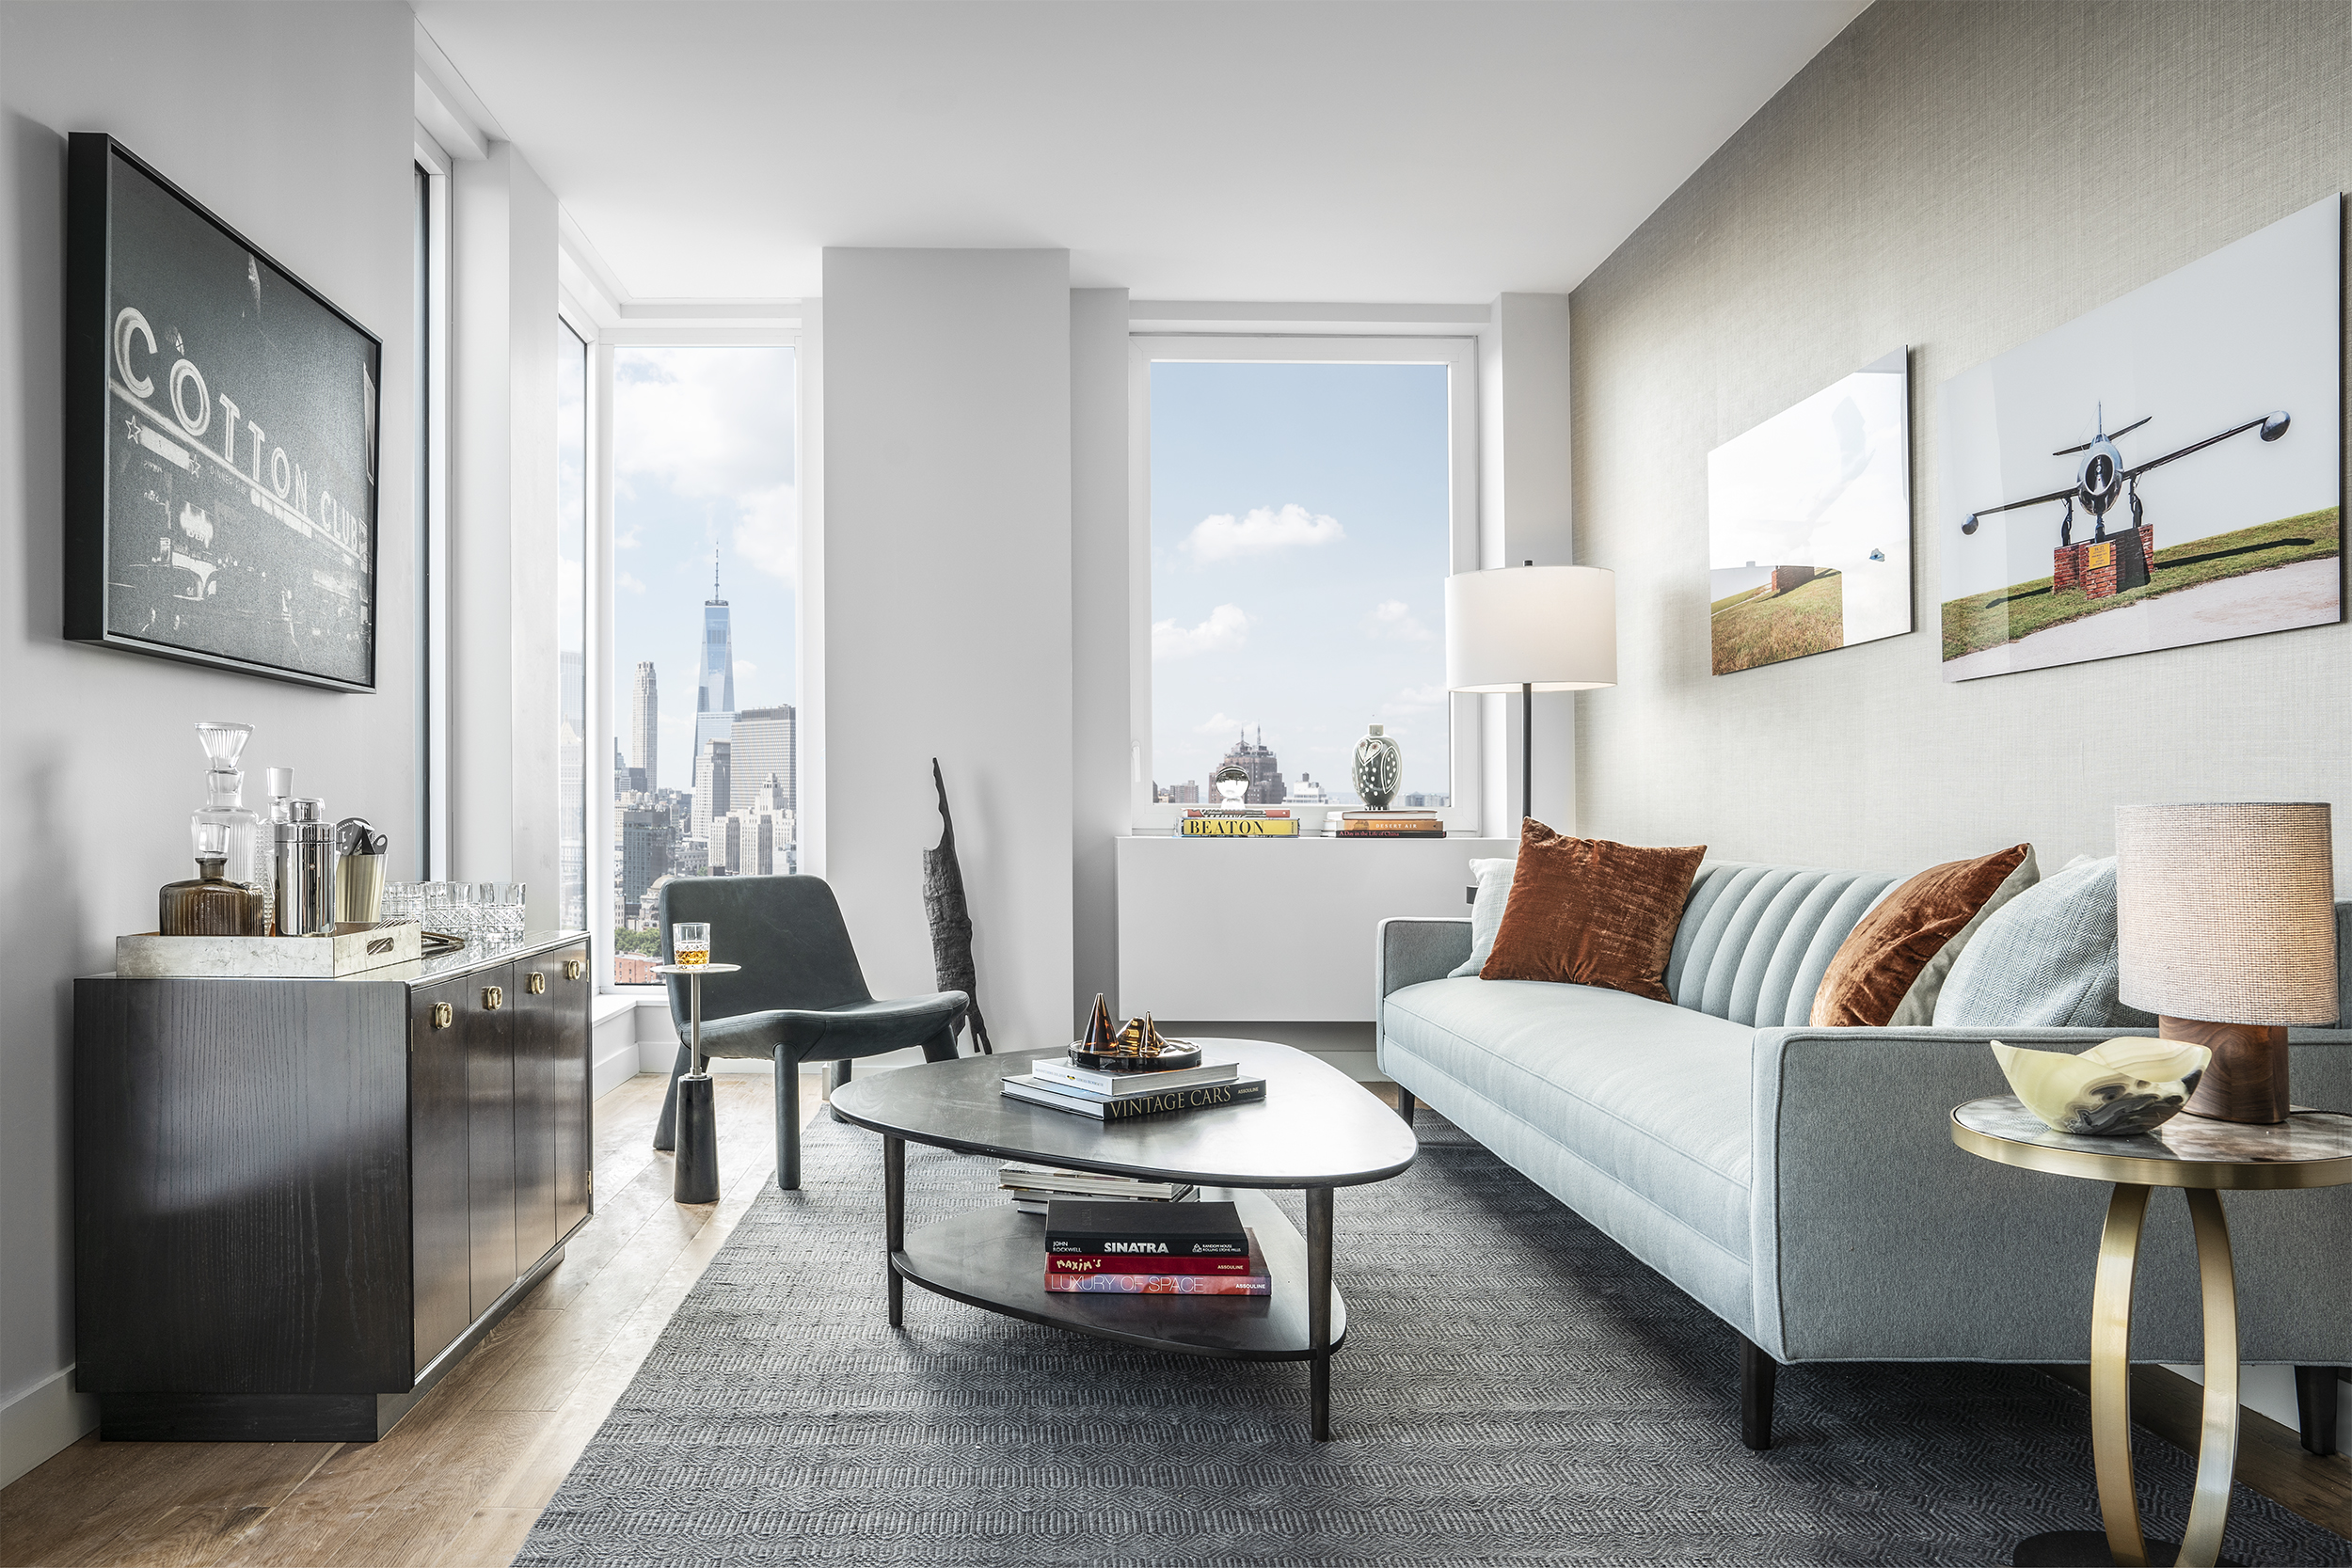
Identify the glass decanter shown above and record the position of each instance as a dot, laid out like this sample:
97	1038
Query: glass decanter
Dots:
240	830
210	905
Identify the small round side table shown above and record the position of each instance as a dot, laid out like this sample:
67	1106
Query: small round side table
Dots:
696	1178
2205	1159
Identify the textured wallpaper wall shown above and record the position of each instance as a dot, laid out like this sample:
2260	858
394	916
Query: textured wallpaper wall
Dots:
1960	178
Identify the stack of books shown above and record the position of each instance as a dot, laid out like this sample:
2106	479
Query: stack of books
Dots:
1384	824
1248	822
1172	1250
1062	1085
1035	1186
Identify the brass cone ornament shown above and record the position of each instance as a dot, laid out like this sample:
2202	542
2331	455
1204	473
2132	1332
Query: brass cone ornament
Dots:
1101	1034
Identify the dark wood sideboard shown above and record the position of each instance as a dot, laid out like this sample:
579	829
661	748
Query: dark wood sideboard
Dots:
298	1203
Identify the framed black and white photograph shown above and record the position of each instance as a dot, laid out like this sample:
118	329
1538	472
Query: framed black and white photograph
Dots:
221	440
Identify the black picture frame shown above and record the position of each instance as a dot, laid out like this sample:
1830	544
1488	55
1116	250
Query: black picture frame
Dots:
179	541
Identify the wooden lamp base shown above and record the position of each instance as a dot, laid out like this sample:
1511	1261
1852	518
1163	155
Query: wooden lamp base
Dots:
2246	1080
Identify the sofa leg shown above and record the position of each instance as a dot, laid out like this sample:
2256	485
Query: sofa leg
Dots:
2315	1406
1757	1372
1405	1103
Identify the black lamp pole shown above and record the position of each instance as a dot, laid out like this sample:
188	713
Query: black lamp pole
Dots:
1527	747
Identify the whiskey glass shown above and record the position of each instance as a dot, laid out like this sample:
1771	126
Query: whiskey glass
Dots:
691	941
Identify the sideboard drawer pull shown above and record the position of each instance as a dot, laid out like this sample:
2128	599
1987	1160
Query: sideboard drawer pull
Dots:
443	1014
493	998
536	984
572	968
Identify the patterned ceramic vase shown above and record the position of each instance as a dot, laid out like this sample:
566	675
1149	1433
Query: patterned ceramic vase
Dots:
1379	765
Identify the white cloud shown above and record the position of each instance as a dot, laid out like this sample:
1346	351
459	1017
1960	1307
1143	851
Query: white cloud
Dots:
1415	700
626	539
1394	620
1226	628
745	668
768	532
707	421
1216	723
621	580
713	424
1264	530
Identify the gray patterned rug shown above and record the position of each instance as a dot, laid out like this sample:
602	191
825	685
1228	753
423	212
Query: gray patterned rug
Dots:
1514	1389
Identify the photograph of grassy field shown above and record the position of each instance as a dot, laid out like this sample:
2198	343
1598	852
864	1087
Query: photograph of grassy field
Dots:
1988	620
1760	626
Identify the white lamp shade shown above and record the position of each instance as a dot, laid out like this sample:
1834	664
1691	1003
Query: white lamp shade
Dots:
1551	628
2225	911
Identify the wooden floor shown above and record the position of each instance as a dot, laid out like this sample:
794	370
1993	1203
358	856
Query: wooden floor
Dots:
459	1482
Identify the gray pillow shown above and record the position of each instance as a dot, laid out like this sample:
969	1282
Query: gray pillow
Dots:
2044	959
1494	891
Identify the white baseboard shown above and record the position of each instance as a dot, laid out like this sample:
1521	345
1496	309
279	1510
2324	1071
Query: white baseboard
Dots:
42	1420
2267	1388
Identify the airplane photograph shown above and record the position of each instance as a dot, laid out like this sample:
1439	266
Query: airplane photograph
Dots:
2122	541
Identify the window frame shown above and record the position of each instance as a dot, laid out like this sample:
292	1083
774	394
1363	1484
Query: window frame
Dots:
1460	355
431	511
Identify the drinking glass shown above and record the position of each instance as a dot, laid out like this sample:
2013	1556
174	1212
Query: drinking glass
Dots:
511	900
691	941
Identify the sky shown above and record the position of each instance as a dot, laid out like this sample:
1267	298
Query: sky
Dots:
1299	522
2249	329
1823	484
702	460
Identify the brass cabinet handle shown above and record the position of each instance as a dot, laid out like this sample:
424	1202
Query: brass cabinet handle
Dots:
493	998
536	984
443	1014
572	968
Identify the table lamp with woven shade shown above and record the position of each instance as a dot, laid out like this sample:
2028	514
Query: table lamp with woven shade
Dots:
2225	918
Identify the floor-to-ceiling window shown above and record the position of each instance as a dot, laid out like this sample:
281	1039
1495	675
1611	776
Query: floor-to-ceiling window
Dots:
706	551
571	624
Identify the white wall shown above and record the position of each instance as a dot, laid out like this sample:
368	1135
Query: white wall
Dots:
1944	176
294	124
1526	512
946	579
1102	733
503	681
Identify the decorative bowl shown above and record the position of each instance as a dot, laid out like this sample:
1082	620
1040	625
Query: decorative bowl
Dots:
2110	1091
1139	1047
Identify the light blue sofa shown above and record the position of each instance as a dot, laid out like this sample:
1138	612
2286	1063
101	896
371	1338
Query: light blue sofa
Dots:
1802	1183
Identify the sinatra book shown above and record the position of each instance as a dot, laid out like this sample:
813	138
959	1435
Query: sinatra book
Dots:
1080	1227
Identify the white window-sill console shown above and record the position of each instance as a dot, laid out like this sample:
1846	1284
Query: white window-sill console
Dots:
1278	930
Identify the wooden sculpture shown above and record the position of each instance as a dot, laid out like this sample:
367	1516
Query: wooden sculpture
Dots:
951	919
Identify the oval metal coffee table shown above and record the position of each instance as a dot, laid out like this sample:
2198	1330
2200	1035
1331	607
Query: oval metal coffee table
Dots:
1316	1130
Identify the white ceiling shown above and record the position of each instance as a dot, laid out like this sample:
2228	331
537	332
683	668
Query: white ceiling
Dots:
1438	150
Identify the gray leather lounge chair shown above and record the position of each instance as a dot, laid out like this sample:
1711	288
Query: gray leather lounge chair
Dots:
801	996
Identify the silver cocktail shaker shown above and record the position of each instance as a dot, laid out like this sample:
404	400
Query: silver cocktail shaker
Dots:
305	887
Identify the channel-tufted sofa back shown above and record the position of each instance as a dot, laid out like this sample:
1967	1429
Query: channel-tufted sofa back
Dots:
1755	939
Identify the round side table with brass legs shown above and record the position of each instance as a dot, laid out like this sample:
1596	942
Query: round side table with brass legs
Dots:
2205	1159
696	1177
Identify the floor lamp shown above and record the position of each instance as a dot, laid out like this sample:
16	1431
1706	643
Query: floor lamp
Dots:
1527	629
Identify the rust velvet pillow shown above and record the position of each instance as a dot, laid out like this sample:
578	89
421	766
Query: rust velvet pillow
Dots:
1881	957
1590	912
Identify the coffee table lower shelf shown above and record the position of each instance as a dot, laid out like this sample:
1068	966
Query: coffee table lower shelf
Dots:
994	1258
